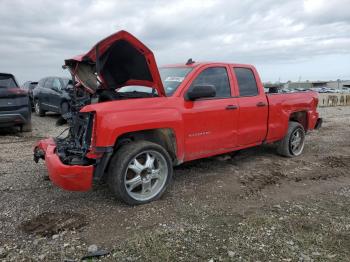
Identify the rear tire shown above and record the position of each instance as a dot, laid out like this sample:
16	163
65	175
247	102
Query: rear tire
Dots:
140	172
292	144
37	108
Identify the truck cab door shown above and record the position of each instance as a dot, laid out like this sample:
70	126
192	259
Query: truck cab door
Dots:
253	107
210	124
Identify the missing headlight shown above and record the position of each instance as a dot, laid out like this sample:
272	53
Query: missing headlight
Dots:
72	149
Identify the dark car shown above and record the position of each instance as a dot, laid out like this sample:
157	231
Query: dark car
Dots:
15	107
52	94
29	86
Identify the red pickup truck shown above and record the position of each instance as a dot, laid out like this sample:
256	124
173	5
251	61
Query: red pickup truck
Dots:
131	121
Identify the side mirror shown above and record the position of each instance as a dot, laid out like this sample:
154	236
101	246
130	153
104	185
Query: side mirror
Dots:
201	91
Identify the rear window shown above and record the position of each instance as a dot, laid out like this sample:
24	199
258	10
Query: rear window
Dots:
7	81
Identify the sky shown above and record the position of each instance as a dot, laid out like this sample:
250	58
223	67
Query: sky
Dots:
285	40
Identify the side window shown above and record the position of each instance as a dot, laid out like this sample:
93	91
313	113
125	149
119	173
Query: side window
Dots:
48	83
246	81
56	84
216	76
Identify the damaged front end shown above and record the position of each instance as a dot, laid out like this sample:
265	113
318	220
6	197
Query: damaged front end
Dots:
68	177
73	148
67	158
119	60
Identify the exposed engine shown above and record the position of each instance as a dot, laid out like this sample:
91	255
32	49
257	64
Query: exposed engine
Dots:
73	148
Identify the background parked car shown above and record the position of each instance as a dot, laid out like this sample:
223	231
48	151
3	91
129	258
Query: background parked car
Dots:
15	109
52	94
29	86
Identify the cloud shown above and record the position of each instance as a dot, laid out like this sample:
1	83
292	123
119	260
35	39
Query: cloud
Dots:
36	36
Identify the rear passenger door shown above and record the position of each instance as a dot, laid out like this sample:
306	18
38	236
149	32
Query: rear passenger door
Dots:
253	107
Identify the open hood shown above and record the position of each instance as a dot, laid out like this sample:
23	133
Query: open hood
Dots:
116	61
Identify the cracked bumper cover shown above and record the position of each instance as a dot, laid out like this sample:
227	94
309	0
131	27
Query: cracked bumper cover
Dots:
68	177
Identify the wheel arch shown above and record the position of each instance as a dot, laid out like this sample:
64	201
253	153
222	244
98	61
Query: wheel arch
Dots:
164	137
64	100
301	117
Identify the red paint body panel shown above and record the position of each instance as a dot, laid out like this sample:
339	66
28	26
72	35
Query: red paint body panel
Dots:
281	106
72	178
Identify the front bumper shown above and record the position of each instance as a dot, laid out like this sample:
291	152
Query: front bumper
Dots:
68	177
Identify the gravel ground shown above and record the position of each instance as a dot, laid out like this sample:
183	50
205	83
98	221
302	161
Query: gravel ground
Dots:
248	206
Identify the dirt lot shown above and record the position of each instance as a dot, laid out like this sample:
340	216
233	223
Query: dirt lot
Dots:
250	206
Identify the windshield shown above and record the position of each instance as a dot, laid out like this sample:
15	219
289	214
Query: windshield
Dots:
7	81
172	77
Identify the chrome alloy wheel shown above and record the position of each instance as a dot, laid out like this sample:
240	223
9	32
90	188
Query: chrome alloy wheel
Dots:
146	175
296	144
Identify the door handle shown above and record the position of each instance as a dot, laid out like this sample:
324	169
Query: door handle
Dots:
261	104
231	107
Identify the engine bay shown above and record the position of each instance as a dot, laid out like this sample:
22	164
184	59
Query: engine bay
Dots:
73	147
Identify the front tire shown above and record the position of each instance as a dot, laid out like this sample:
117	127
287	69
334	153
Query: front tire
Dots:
37	108
140	172
292	144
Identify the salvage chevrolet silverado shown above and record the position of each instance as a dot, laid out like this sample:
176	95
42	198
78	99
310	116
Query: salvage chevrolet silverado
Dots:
130	123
